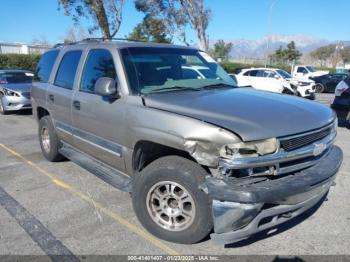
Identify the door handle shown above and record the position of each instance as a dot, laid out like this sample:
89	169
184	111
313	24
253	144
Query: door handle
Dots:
76	104
52	98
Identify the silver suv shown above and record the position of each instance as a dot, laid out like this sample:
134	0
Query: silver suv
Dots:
197	153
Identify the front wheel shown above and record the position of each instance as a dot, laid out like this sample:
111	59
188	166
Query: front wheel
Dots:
168	202
2	107
319	88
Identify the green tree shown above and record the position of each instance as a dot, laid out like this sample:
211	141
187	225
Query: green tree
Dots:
106	15
286	55
323	53
150	29
198	17
291	53
163	20
221	50
345	53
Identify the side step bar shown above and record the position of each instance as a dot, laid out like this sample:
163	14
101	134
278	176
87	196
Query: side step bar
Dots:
108	174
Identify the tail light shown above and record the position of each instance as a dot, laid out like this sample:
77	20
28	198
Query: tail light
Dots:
341	88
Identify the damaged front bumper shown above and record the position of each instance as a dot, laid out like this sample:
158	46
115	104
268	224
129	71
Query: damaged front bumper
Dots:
244	206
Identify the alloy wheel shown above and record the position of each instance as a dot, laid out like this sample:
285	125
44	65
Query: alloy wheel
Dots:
45	139
170	206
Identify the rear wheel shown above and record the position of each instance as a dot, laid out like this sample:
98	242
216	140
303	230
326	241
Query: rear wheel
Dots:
49	141
319	88
168	202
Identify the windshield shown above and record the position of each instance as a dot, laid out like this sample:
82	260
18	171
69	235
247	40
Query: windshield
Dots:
165	69
16	77
311	69
283	73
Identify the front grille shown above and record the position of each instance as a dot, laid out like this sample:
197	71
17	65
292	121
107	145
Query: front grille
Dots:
303	140
26	94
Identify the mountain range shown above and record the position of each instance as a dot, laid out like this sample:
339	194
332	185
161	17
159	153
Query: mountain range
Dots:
243	48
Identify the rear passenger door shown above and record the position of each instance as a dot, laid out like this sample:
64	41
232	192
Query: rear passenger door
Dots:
98	120
255	78
60	92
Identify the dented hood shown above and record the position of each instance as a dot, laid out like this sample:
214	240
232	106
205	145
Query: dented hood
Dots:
251	114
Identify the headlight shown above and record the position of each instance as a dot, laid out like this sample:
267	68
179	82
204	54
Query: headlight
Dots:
10	93
250	149
303	83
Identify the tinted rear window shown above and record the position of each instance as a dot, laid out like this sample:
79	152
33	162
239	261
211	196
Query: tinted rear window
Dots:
68	67
253	73
16	77
44	68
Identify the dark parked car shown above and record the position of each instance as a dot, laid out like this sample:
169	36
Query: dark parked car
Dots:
15	87
341	101
327	83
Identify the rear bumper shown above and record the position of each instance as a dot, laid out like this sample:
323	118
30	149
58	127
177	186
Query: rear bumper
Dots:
13	103
241	209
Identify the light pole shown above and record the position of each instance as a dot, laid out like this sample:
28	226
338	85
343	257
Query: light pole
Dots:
269	29
338	49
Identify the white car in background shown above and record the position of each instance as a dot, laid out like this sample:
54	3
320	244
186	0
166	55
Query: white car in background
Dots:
275	80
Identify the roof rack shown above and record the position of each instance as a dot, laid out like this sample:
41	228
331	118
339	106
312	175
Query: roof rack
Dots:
111	39
98	39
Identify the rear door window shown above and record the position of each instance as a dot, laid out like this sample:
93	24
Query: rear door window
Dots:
67	70
98	64
253	73
260	73
45	65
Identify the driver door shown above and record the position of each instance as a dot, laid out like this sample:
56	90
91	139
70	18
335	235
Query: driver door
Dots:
98	120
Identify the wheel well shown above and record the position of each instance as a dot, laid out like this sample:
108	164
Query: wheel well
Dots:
146	152
41	112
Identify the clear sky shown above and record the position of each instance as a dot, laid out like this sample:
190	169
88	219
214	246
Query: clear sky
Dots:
24	20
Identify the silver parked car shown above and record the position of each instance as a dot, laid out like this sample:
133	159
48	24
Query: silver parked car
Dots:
196	153
15	88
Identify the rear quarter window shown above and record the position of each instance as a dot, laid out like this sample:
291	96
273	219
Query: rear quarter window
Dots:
45	65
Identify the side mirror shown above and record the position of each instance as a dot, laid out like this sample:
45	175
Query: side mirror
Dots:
106	86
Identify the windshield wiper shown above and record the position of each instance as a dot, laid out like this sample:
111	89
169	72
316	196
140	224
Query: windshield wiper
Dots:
171	88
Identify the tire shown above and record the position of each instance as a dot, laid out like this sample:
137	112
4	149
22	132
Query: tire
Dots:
2	109
287	92
348	120
319	88
49	141
182	176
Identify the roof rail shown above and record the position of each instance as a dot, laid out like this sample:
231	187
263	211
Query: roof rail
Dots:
111	39
99	39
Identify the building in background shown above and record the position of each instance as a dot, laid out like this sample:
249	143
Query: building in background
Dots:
18	48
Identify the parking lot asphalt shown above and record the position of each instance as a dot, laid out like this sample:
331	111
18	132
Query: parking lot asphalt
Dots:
59	208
